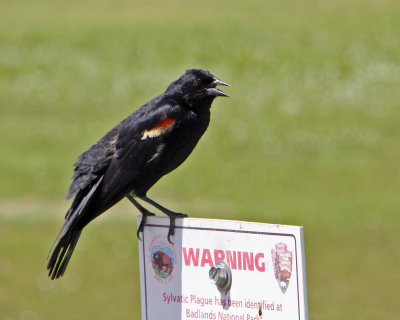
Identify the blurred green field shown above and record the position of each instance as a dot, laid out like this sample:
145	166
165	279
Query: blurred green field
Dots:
309	136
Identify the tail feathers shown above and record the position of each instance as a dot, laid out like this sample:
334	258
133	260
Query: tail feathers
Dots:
62	253
68	236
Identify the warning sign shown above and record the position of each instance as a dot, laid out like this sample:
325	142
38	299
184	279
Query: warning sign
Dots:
266	265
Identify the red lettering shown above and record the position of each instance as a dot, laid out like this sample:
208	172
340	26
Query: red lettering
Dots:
259	267
187	257
239	260
206	258
248	262
219	255
231	259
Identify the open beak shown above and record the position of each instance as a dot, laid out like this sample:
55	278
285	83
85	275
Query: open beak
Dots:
213	91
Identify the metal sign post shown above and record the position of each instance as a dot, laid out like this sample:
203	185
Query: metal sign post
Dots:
222	270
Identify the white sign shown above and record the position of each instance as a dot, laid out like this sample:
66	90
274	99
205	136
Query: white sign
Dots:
267	262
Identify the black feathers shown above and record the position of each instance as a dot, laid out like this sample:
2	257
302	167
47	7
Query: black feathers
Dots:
92	163
62	253
134	155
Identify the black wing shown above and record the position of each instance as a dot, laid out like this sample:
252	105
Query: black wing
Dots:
116	159
138	143
92	164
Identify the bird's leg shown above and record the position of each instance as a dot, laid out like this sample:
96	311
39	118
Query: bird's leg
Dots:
172	216
144	212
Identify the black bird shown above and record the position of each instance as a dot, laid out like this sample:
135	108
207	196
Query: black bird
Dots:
134	155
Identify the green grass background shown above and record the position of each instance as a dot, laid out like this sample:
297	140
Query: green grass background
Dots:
309	136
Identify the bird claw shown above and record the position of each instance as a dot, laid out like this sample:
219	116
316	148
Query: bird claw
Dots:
143	223
171	230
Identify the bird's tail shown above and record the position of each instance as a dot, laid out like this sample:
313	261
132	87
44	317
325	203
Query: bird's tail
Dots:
68	236
60	256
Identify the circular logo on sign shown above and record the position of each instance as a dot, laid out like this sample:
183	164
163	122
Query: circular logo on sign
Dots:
162	256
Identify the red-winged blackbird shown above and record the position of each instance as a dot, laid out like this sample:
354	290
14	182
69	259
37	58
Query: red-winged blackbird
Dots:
134	155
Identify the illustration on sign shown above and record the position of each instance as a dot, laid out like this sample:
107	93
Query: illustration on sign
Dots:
282	260
163	259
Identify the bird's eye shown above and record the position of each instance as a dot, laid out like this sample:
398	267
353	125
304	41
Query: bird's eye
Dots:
195	83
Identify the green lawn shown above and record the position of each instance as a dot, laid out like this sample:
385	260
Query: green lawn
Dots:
309	136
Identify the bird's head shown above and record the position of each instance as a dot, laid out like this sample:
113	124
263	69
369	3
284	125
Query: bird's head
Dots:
197	87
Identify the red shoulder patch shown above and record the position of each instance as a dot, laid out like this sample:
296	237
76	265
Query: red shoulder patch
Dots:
166	123
159	129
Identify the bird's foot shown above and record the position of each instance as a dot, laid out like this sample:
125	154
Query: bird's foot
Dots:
145	213
143	222
172	216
